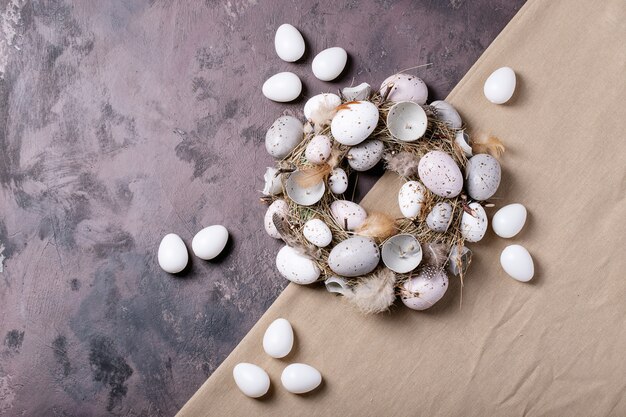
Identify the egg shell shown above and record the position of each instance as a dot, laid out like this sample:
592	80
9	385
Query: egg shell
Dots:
317	232
423	290
354	122
172	255
365	155
359	92
406	87
500	85
411	198
354	257
459	263
325	101
273	184
407	121
279	206
296	267
283	136
483	175
304	196
209	242
318	149
278	338
439	217
345	211
463	141
517	262
447	114
282	87
337	285
440	174
289	43
328	64
473	228
509	220
338	181
251	379
402	253
299	378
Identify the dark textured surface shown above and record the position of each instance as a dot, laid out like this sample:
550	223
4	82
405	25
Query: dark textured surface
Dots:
121	121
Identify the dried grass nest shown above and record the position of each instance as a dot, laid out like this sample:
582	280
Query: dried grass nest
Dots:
375	292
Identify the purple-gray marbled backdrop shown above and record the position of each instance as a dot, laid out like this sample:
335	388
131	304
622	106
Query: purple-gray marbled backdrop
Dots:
121	121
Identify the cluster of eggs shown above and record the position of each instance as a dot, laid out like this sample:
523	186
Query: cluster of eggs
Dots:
297	378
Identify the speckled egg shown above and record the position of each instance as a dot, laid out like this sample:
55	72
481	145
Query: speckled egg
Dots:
283	136
406	87
354	122
439	217
279	206
482	176
318	149
324	101
348	213
473	228
296	267
411	198
354	257
423	290
317	232
338	181
440	174
447	114
365	155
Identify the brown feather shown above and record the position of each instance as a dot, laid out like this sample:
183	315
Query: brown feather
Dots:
374	293
487	143
312	176
378	225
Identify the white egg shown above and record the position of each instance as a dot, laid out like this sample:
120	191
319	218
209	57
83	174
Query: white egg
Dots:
517	262
473	228
359	92
318	149
423	290
365	155
173	255
402	253
278	338
273	184
347	213
283	136
317	232
296	267
328	64
407	121
509	220
305	196
282	87
326	101
439	217
447	114
500	85
338	181
251	379
354	257
411	198
440	174
299	378
279	206
482	176
406	87
463	141
354	122
289	43
209	242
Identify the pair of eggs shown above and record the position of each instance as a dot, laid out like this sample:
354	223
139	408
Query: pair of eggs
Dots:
207	244
515	259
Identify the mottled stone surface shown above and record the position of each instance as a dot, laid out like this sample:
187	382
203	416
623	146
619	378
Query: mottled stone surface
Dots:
121	121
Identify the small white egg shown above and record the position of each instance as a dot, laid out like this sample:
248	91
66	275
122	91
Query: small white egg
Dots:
447	114
251	379
209	242
354	257
357	93
305	196
296	267
423	290
348	213
482	176
273	184
282	87
338	181
173	255
324	102
328	64
406	87
279	206
473	228
440	174
278	338
299	378
509	220
289	43
318	149
354	122
411	198
439	217
365	155
500	85
283	136
317	232
517	262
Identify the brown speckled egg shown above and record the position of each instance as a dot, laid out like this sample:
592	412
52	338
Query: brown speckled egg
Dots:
406	87
354	257
473	228
439	217
354	122
346	212
410	199
483	175
440	174
424	289
279	206
318	149
365	155
338	181
283	136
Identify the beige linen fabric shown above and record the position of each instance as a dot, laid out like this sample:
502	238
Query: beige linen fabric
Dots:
552	347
